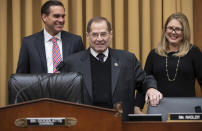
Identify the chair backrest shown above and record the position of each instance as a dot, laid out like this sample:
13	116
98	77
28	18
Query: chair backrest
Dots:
62	86
175	105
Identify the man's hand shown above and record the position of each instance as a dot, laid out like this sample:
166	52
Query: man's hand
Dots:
153	96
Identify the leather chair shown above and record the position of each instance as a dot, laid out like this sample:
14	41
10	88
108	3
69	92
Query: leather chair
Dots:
175	105
61	86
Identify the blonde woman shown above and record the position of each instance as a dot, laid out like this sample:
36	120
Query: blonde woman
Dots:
175	63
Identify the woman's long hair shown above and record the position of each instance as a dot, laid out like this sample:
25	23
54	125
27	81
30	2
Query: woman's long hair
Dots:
185	43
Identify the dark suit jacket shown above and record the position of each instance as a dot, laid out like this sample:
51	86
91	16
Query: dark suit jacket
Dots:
127	76
32	58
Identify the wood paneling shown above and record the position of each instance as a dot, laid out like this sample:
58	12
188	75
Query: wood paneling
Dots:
197	32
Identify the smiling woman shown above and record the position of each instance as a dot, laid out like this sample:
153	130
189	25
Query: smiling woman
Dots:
175	63
174	35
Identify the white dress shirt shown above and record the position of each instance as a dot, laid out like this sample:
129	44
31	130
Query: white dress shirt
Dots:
48	48
94	53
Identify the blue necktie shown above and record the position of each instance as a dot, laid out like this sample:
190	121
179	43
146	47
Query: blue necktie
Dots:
101	56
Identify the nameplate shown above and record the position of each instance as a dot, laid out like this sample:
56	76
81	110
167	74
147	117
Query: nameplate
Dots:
145	117
46	121
185	116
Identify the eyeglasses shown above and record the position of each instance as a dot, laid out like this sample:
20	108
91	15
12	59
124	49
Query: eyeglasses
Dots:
177	30
101	34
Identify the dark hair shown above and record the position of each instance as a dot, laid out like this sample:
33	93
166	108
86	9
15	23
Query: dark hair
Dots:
45	9
98	19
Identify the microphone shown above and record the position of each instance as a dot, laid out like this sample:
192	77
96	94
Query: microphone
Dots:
58	68
198	109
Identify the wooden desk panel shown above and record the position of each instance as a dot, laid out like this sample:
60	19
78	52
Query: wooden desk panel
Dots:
89	118
162	126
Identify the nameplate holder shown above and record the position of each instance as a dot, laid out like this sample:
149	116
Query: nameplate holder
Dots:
185	117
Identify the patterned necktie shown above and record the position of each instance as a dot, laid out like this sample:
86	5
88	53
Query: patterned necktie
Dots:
101	56
57	58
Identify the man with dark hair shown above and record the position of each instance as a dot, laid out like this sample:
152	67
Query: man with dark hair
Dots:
42	52
110	76
45	9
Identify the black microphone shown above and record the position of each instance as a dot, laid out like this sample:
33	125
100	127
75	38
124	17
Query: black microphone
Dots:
198	109
58	68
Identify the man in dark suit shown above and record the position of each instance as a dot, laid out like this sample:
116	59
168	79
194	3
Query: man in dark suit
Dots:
110	76
36	54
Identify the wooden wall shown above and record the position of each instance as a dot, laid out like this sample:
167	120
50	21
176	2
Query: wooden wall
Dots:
198	32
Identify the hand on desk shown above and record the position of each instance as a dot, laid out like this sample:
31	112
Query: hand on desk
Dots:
153	96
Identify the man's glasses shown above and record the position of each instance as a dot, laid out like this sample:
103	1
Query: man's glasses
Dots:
101	34
177	30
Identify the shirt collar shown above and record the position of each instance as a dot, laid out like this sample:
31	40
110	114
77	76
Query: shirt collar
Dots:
47	36
94	53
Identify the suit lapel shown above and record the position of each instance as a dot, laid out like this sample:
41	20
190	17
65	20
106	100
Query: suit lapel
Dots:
115	68
85	68
41	49
65	44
